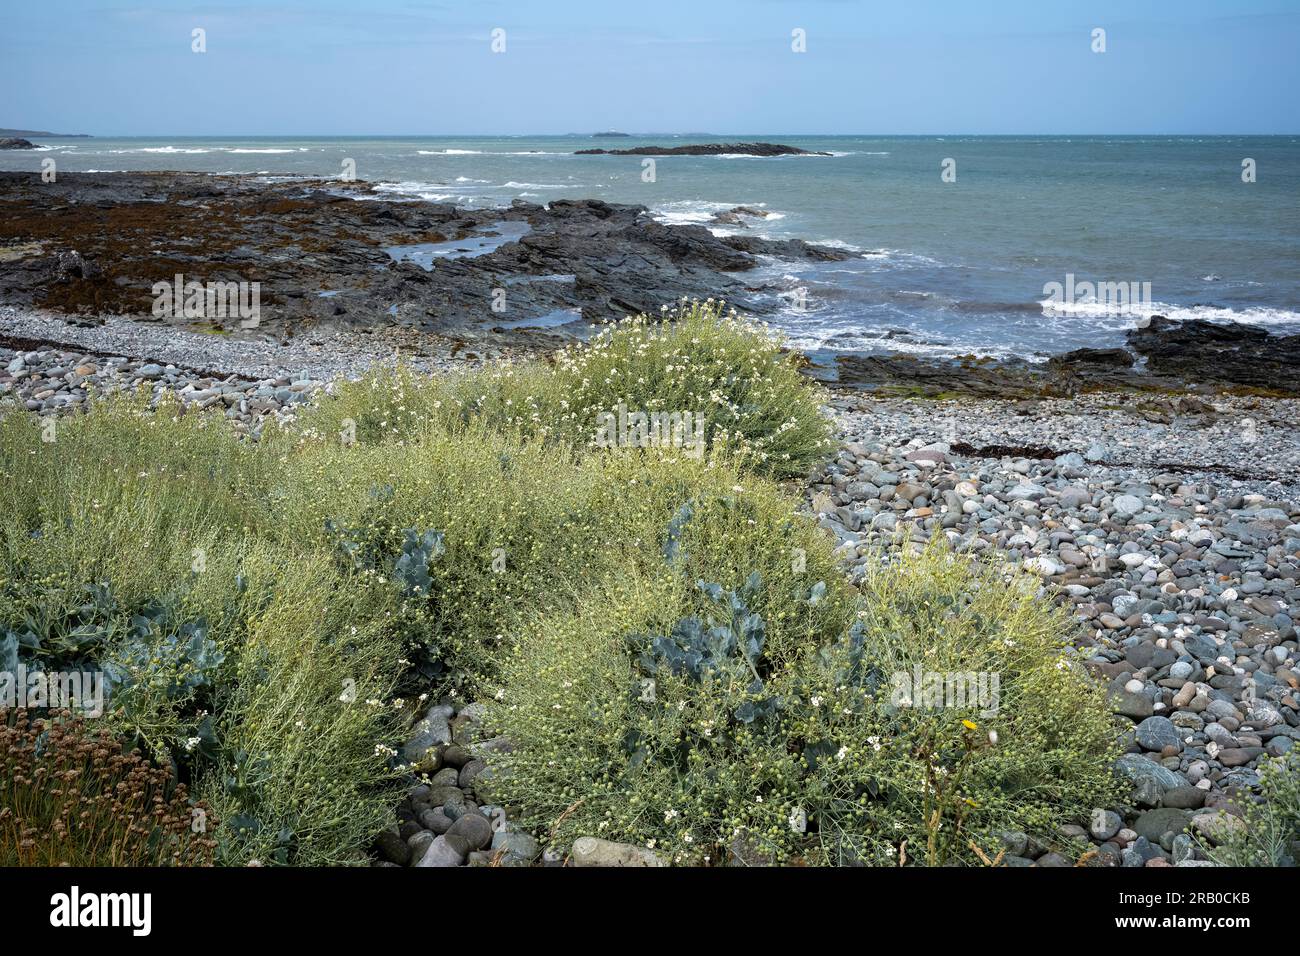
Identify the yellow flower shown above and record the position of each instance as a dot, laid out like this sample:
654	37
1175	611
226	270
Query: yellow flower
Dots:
969	725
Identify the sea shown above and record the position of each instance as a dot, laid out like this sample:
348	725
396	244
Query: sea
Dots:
986	245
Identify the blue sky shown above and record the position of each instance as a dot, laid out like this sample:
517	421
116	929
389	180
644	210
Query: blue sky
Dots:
724	66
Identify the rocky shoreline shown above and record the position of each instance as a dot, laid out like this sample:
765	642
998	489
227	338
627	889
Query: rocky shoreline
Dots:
1161	355
330	254
331	257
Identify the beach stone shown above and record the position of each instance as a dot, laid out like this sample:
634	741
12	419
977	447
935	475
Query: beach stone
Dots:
1217	825
1183	849
1239	756
441	853
446	777
1129	704
436	820
456	756
1015	842
1108	854
440	796
1157	733
516	848
1104	824
1202	648
419	843
1127	505
393	848
1154	824
1220	710
1149	778
1184	798
1140	851
422	748
456	842
470	772
593	851
1148	654
474	828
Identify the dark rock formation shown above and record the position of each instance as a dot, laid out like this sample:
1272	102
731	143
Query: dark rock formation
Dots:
1198	351
1198	355
737	216
15	142
706	149
333	253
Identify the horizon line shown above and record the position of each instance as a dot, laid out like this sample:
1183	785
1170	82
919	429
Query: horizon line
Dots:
605	133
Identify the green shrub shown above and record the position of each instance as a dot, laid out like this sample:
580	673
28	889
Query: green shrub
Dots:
514	525
305	726
698	359
657	715
1271	835
753	401
145	556
161	474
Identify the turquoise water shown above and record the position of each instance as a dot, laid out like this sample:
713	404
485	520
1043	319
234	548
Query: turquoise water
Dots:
943	267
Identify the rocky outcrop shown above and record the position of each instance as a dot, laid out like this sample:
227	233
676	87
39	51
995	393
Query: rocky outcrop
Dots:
706	149
1198	351
1176	355
15	142
738	216
334	254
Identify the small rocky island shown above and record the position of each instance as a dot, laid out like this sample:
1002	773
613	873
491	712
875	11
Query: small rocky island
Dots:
16	142
706	149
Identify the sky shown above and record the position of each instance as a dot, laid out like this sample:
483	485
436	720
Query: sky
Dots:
876	67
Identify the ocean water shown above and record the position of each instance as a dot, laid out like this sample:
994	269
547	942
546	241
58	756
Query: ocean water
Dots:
942	268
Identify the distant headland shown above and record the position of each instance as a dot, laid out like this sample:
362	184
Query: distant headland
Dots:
706	149
24	133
